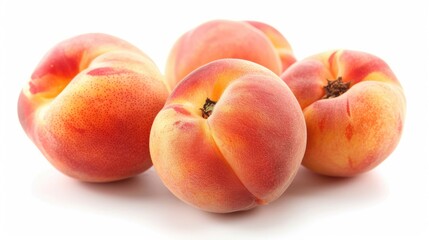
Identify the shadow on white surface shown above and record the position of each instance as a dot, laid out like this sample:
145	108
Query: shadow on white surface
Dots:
312	198
144	201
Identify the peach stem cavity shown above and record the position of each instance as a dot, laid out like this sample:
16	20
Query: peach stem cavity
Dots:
335	88
207	108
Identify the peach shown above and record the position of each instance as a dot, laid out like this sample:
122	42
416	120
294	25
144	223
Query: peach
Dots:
89	107
280	43
217	39
231	136
354	108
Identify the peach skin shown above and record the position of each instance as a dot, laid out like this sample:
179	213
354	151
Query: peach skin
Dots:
354	108
280	43
89	107
231	136
217	39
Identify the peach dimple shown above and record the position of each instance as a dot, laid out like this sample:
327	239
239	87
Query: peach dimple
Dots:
354	109
230	137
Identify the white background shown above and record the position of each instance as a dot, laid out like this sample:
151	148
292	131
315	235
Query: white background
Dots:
392	200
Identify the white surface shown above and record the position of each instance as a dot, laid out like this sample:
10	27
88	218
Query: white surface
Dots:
392	200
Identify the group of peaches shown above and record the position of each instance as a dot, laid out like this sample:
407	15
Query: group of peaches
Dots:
228	124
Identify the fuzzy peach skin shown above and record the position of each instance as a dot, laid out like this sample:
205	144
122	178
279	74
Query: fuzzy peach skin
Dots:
89	107
354	132
217	39
243	153
280	43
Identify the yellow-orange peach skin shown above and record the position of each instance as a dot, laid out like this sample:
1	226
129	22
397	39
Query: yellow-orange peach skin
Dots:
89	107
282	46
230	137
217	39
353	130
